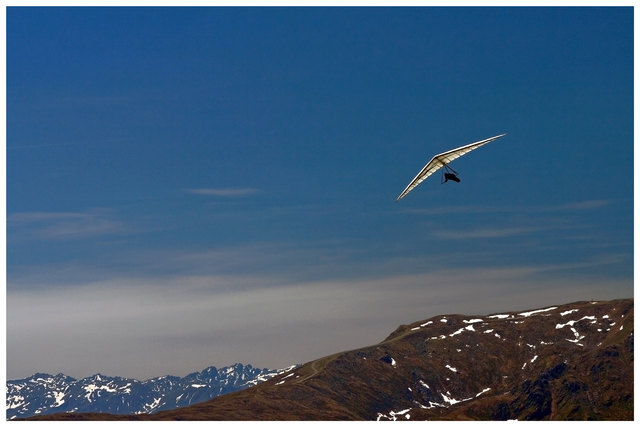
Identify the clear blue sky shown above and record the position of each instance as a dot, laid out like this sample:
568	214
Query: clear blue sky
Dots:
190	187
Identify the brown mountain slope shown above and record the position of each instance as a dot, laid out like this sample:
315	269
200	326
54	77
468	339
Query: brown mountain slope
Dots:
570	362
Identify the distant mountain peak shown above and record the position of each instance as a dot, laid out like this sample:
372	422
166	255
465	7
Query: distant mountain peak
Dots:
42	394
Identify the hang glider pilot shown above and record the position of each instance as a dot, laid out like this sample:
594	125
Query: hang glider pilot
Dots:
451	176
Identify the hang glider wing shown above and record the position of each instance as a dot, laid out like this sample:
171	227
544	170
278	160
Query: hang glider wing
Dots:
441	160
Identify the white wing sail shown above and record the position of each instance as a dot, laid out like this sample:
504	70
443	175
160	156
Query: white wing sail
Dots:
442	159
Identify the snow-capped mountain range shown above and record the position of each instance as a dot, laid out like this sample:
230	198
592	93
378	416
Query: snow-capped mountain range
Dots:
562	362
43	394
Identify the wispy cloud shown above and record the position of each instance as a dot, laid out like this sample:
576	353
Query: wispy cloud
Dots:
484	233
449	210
223	192
58	225
24	217
578	206
493	209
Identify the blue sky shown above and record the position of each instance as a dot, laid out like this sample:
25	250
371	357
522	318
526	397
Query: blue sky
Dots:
190	187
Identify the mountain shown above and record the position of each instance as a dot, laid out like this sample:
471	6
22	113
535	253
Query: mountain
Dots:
565	362
43	394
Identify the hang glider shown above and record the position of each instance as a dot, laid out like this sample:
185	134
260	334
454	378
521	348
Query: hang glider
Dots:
442	160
